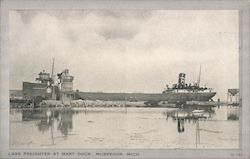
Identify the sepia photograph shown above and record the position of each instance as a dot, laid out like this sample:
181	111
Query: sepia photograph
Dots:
124	79
123	83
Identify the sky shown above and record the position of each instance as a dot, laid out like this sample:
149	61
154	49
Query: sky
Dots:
126	50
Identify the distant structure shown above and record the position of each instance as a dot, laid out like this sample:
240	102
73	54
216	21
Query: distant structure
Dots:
233	96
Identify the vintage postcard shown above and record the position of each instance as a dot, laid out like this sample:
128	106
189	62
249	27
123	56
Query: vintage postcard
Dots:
124	79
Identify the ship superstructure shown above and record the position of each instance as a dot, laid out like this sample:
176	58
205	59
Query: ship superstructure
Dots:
43	88
66	87
48	88
182	87
183	92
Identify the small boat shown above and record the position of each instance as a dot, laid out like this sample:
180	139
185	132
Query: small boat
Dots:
198	112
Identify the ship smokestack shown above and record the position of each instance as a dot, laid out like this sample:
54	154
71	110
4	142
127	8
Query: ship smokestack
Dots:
181	80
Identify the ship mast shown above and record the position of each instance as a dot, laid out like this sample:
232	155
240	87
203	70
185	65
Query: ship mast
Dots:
52	80
52	71
199	78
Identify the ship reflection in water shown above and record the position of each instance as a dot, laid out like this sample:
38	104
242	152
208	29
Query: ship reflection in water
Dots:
190	114
189	127
46	118
197	114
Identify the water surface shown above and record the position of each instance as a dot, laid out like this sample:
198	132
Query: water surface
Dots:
124	128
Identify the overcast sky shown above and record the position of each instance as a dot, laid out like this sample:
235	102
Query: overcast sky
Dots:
126	51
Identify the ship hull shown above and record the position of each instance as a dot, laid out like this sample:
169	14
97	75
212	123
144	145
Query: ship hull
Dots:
150	97
31	90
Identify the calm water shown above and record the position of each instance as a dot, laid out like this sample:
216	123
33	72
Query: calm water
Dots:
124	128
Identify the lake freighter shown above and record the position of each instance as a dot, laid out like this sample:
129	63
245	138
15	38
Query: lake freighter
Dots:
47	89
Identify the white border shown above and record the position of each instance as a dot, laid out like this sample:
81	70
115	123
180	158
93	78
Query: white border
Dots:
242	6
